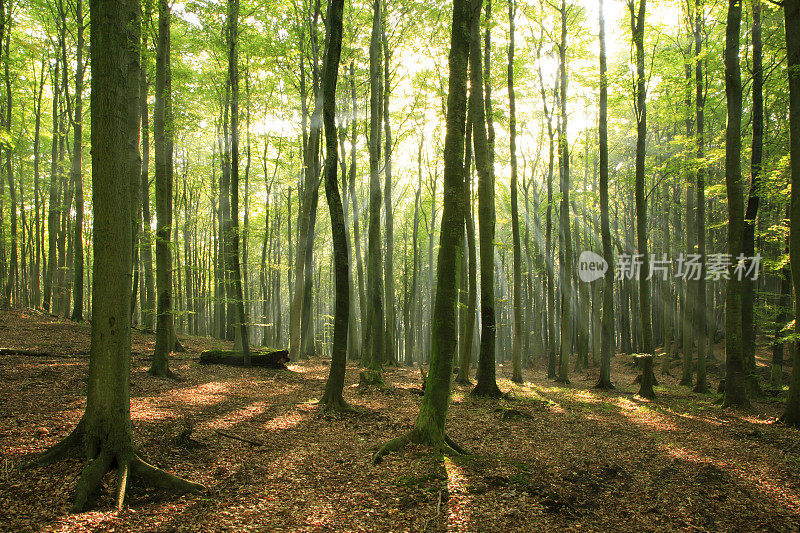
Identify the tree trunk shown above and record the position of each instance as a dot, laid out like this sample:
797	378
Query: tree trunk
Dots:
163	132
700	304
77	177
332	397
791	14
430	424
242	341
375	348
516	358
637	30
753	200
487	383
607	335
388	264
105	429
565	239
735	391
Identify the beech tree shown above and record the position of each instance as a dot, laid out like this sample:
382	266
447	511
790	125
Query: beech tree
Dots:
429	427
104	431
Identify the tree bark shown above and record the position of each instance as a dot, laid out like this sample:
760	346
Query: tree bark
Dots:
486	382
735	391
607	335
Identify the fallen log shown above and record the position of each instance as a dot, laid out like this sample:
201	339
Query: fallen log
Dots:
276	359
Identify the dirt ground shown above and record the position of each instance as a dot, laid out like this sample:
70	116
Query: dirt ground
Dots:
547	458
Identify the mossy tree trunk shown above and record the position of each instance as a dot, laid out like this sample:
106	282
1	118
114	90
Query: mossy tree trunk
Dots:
332	397
105	429
430	424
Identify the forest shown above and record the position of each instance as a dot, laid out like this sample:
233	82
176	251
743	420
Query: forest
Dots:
552	283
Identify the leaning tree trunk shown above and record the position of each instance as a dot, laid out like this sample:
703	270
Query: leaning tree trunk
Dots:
430	424
735	391
105	430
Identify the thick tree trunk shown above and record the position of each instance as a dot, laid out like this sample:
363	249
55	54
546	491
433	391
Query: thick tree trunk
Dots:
105	429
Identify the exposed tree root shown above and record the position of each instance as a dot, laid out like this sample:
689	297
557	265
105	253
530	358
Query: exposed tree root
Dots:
446	445
162	478
89	480
463	381
122	483
126	461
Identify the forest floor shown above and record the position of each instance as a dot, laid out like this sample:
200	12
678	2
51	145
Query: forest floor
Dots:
547	458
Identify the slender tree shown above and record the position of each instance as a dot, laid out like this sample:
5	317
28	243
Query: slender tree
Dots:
607	335
163	132
637	31
735	391
512	129
486	381
77	177
332	397
430	424
375	314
